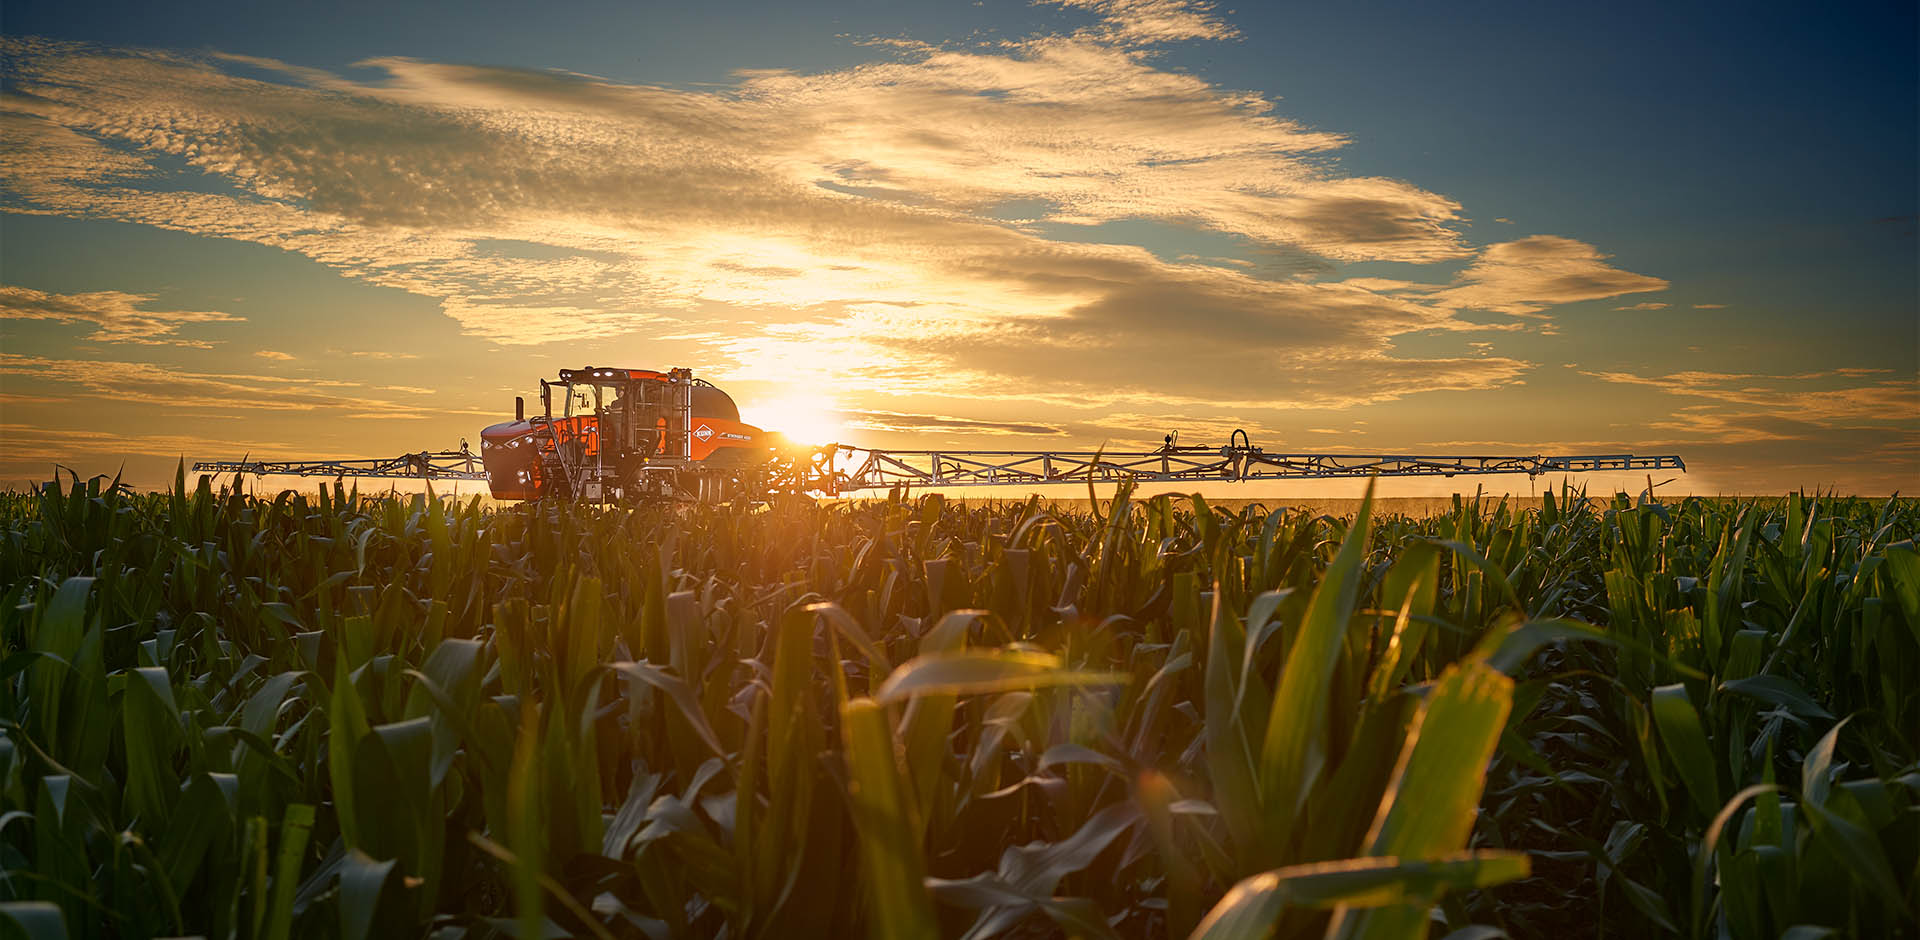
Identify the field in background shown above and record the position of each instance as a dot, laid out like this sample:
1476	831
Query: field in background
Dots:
1325	496
310	715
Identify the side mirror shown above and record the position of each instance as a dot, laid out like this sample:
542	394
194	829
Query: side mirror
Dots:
519	408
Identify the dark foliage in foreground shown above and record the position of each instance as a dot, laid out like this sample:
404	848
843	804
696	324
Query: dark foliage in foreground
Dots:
328	715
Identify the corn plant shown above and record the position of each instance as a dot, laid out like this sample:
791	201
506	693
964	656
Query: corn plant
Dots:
330	714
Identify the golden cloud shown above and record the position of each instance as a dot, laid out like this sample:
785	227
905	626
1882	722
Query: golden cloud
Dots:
116	317
851	226
1752	406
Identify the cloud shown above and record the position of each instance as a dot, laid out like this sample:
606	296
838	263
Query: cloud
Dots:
145	383
1525	277
1753	406
29	452
115	316
1145	22
1647	305
1229	340
30	443
856	225
1147	431
273	354
1854	430
1709	306
895	421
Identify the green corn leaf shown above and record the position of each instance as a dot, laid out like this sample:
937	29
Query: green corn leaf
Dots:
950	633
152	725
263	706
347	724
370	904
924	729
793	739
1185	883
1472	558
979	671
295	827
526	825
1038	869
392	766
542	927
928	719
1510	650
447	688
844	624
1863	854
1903	571
453	721
1434	797
204	819
1029	875
1816	778
1704	858
60	632
1229	732
1779	691
1685	742
358	641
1430	805
679	693
1007	907
891	867
1260	625
254	875
1349	799
1294	751
1412	588
579	621
1252	909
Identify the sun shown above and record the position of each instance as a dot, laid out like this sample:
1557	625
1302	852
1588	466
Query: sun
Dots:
803	418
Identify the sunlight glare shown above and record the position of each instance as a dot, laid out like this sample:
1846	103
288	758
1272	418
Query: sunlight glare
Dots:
803	418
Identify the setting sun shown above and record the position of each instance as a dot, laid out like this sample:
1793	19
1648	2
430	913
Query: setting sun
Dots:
802	418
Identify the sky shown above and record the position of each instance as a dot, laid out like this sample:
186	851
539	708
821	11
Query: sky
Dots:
358	230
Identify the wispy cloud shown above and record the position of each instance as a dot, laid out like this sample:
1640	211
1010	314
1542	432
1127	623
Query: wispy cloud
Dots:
144	383
1751	406
1530	275
29	452
1141	429
115	317
1647	305
851	225
895	421
30	443
1146	22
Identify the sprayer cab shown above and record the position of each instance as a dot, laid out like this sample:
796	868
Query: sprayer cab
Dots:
605	433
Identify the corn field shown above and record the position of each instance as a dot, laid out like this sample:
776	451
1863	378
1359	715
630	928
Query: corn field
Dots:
329	715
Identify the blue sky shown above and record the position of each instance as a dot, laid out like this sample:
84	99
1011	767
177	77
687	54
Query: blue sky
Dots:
1364	227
